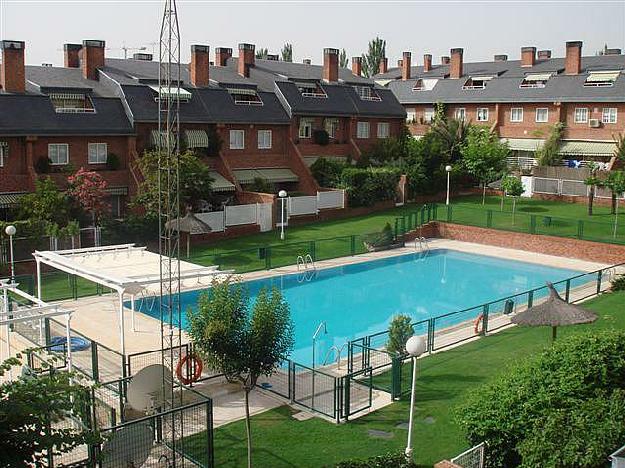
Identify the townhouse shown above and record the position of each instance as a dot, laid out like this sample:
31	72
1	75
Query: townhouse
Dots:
248	118
522	99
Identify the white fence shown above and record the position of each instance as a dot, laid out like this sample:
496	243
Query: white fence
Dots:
241	214
573	188
236	215
333	199
472	458
215	219
311	204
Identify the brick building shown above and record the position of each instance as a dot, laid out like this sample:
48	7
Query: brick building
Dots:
522	99
266	114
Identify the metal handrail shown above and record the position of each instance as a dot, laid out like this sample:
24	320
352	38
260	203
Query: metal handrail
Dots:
301	262
308	260
338	355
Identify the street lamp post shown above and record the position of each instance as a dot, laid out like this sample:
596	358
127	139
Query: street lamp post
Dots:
282	194
10	231
415	347
448	169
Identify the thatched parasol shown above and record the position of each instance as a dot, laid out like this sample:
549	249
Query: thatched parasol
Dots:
554	312
189	224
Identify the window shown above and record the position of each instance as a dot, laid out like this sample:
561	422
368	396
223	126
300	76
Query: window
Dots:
411	115
4	151
461	113
71	103
428	115
581	115
535	80
305	128
311	89
609	115
384	130
367	93
482	114
516	114
58	154
98	153
245	96
424	85
542	114
601	78
332	127
264	139
237	139
116	206
362	130
477	82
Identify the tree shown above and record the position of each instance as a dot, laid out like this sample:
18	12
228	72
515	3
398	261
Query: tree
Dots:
241	345
399	331
327	172
512	187
371	60
619	152
195	181
29	409
615	181
46	205
564	407
286	54
484	156
343	61
549	154
262	53
452	134
88	190
592	181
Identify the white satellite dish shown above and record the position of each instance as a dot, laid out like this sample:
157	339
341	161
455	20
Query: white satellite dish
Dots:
145	391
129	447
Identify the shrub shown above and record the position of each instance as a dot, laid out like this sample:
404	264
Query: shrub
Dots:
618	283
398	333
327	172
564	407
321	137
262	186
383	238
388	460
549	154
366	186
112	162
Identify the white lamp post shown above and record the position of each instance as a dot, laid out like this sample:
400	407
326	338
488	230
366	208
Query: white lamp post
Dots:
10	231
282	194
448	169
415	347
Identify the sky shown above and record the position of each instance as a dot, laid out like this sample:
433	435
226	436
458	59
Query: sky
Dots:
481	28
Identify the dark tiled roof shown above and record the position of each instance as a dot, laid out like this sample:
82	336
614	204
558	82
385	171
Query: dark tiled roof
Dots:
337	103
44	78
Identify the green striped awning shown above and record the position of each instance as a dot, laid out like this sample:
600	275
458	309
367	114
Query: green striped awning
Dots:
523	144
196	138
242	91
116	190
247	176
9	200
154	138
220	183
67	96
587	148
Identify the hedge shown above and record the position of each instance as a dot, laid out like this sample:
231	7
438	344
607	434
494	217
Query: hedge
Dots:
366	186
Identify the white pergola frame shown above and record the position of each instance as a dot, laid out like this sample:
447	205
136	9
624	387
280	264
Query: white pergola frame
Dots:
65	260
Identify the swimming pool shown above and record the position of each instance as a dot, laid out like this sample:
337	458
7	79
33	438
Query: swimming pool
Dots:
360	299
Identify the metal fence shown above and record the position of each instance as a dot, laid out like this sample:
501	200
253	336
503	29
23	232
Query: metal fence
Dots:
472	458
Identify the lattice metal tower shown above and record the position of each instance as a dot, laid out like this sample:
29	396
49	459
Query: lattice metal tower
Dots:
169	216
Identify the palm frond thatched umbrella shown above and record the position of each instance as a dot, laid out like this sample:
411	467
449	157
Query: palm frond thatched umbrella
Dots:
189	224
554	312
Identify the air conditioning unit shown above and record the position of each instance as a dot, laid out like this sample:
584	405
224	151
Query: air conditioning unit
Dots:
594	123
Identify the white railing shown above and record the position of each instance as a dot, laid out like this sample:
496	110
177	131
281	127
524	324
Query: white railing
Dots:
302	205
216	220
241	214
333	199
548	186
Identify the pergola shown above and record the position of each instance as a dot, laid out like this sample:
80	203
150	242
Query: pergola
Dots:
125	268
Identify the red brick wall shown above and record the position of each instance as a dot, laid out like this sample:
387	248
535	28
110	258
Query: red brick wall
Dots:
14	176
251	156
595	111
529	126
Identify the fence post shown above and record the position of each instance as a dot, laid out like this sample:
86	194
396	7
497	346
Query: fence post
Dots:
47	331
431	335
530	299
580	229
449	214
267	258
312	249
395	377
599	274
346	399
403	225
489	218
94	361
568	290
292	381
353	244
533	224
484	320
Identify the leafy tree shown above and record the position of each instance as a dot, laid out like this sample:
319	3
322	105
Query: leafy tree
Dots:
452	134
592	181
371	60
385	152
262	53
424	164
29	409
88	190
620	147
343	60
242	345
286	54
46	205
512	187
549	154
195	181
327	172
399	331
484	156
615	181
564	407
262	186
366	186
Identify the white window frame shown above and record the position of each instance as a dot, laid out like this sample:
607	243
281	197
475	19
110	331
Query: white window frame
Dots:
411	115
482	114
266	139
332	126
4	153
97	147
428	115
540	109
57	146
362	130
519	117
305	128
234	137
577	118
460	113
609	115
383	134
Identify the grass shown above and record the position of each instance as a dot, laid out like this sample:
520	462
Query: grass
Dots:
444	381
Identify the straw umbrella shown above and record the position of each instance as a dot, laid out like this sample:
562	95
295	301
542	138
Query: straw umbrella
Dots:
554	312
189	224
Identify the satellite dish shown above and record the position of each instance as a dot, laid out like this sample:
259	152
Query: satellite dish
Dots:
129	447
145	391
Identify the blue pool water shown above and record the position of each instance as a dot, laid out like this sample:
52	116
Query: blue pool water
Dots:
361	299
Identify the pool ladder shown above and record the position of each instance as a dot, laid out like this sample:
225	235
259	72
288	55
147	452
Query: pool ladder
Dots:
422	242
306	262
338	352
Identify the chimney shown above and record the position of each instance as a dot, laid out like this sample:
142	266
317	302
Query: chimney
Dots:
613	51
71	55
92	58
383	65
573	60
142	56
455	65
357	66
445	60
246	58
528	56
405	66
306	61
399	62
501	58
330	65
198	68
12	71
222	54
427	62
273	57
544	54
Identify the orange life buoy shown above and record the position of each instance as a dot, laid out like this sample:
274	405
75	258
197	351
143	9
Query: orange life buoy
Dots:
478	321
196	362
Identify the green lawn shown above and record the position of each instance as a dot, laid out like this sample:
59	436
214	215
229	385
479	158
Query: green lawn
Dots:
444	379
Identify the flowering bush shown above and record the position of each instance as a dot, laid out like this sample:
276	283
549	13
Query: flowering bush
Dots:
88	190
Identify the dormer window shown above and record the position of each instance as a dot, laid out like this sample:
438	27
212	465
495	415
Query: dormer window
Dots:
245	96
601	78
367	93
535	80
477	82
171	92
311	89
424	85
71	103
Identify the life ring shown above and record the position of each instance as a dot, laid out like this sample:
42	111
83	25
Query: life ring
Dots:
196	362
476	325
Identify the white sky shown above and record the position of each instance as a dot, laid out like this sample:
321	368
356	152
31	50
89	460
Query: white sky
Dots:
481	28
